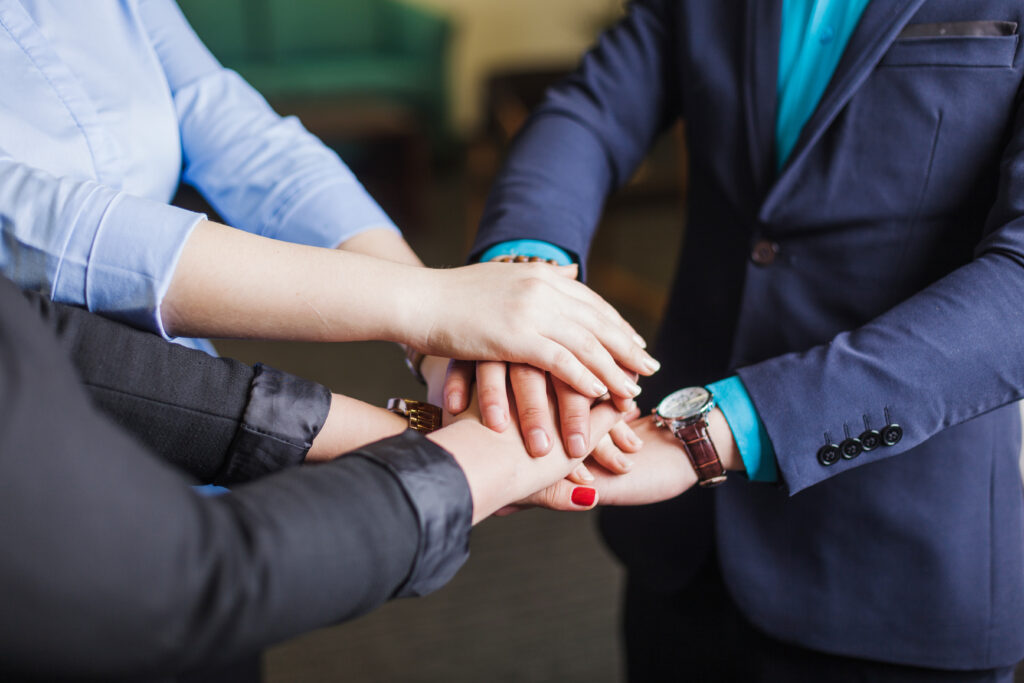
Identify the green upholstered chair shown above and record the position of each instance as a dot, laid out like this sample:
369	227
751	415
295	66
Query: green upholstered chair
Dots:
333	51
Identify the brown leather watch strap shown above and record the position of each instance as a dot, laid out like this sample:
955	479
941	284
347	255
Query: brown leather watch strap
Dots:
702	453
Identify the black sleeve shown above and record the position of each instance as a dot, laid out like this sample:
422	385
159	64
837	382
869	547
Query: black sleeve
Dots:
114	560
217	419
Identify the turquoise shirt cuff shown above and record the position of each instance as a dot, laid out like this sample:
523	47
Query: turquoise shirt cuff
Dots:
544	250
751	437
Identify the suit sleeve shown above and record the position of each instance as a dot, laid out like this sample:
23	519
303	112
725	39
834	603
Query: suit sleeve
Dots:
217	419
112	554
588	136
947	354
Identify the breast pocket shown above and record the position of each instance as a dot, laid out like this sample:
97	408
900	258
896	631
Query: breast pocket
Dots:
954	44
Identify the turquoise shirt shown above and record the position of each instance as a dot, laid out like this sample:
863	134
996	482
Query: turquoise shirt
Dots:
814	35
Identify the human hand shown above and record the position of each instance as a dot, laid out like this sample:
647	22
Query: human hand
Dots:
533	390
530	313
501	472
660	471
661	468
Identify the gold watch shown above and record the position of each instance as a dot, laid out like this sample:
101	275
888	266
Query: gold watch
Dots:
423	417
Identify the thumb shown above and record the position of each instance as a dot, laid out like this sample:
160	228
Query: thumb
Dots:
564	495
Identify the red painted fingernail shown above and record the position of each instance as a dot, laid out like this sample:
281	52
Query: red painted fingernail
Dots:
584	496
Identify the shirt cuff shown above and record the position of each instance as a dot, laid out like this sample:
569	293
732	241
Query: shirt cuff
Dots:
123	268
283	416
751	437
544	250
437	489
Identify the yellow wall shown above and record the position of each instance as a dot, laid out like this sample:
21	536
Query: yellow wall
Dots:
498	34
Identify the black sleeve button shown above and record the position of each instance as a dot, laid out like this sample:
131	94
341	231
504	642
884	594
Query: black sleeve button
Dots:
870	439
828	454
892	434
851	448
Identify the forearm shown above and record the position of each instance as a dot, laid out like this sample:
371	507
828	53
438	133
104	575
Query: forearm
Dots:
229	283
351	424
382	243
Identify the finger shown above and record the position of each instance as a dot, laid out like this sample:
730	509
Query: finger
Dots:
610	457
571	271
492	394
574	418
510	510
581	475
588	296
589	350
458	380
602	418
533	406
564	495
622	346
624	438
563	364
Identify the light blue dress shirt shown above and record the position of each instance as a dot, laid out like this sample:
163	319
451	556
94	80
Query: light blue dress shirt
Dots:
104	108
814	36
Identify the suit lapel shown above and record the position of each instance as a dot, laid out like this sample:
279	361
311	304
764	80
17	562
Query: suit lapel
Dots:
760	73
879	25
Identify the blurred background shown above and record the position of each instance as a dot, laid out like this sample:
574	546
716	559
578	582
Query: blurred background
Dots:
421	98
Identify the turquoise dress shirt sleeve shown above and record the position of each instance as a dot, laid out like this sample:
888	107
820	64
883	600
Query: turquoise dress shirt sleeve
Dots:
530	248
751	437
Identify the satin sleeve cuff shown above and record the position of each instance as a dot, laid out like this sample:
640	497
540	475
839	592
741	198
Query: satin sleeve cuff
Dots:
439	493
751	437
283	416
538	248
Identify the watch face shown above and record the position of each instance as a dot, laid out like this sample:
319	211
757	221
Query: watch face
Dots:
684	403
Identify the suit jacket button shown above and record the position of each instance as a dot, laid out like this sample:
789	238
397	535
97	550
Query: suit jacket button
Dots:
870	439
892	434
764	252
828	454
851	448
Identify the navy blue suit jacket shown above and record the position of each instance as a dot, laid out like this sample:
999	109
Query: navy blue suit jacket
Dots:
897	288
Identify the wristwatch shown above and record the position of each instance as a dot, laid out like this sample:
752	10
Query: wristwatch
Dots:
685	413
423	417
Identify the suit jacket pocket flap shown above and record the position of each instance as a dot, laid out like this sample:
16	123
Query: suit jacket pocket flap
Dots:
974	50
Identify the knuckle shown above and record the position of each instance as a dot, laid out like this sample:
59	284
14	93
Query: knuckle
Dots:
532	413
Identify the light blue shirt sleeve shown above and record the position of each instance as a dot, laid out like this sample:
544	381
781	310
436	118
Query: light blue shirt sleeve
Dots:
751	437
87	170
538	248
264	173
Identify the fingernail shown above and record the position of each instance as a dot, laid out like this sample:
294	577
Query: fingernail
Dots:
454	402
577	446
494	416
583	496
635	440
625	463
632	388
583	473
539	442
640	341
600	389
628	406
651	365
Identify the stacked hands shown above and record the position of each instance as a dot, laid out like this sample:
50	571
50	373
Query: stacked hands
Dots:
562	416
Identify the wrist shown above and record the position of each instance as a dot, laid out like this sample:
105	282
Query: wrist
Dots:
723	440
352	424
